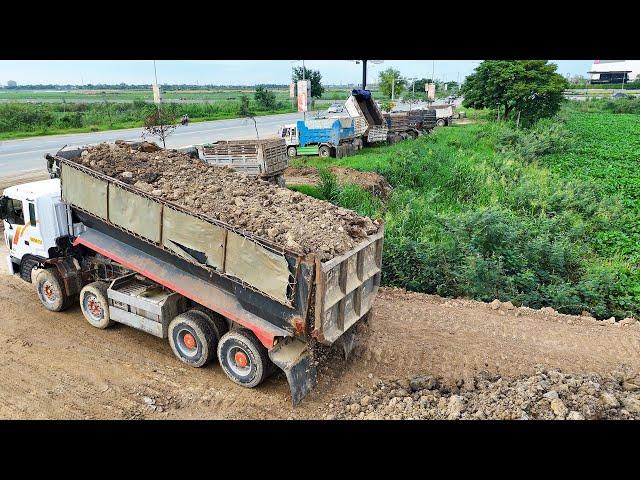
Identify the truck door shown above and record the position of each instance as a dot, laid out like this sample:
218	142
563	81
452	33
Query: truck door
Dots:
13	218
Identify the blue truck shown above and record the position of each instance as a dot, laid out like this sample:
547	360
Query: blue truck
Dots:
326	137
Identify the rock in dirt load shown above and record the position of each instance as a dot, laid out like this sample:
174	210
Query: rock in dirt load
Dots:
291	219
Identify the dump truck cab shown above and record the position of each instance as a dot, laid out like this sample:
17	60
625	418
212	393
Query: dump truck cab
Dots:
34	218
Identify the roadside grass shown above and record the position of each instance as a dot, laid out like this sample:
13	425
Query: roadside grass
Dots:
20	120
542	217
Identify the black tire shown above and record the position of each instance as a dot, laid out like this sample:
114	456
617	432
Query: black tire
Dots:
280	180
192	338
217	321
292	152
51	291
27	265
324	151
94	304
244	342
441	122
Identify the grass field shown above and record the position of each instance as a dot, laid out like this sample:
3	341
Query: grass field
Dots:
35	113
542	217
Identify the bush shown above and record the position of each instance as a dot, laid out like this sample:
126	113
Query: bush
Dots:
265	100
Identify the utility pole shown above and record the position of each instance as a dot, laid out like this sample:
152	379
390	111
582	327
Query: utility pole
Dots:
364	74
304	114
155	73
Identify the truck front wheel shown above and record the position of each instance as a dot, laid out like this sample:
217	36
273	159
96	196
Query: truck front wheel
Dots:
324	151
441	122
94	304
243	358
192	338
51	291
292	152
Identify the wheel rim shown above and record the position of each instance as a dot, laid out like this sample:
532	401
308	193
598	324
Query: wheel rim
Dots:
187	343
93	307
239	361
49	292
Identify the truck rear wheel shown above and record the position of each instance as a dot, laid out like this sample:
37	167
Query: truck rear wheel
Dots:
192	338
51	291
243	358
292	152
441	122
324	151
217	321
94	304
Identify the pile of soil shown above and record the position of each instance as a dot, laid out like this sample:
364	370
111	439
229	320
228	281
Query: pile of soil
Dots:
549	394
291	219
371	181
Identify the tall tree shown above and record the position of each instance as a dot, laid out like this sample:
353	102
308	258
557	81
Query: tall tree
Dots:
386	79
529	89
313	75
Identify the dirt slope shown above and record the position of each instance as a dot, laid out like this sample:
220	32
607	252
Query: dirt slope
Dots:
55	365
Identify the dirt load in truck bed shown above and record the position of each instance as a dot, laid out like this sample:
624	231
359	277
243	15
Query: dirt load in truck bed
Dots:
288	218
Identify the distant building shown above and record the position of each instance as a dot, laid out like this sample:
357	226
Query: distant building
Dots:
614	71
12	84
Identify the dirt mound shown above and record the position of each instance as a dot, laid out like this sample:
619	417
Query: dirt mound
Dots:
371	181
289	218
549	394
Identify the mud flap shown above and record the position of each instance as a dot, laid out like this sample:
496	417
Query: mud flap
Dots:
295	359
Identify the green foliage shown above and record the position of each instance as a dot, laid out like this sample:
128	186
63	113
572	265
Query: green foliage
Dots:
328	186
25	118
545	138
546	216
244	110
265	100
531	88
386	79
317	89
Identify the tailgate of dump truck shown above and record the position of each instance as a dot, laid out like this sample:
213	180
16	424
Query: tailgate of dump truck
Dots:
346	287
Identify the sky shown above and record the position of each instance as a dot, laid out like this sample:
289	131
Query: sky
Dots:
234	72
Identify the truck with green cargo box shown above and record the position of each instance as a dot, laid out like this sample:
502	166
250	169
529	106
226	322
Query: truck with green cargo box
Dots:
211	289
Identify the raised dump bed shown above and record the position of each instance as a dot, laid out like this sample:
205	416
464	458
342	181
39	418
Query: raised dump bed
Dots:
369	121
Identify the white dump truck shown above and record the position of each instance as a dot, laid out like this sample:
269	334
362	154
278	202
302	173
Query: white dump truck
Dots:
211	289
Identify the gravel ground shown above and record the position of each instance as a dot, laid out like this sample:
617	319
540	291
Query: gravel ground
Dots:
291	219
549	394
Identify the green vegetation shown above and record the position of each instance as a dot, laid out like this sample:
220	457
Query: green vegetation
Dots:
390	81
547	216
27	119
531	89
314	76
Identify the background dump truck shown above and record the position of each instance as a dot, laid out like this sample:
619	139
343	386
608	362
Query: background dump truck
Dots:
326	137
209	288
368	119
444	114
265	159
409	124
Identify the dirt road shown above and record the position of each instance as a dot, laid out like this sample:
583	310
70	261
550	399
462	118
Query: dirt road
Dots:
55	365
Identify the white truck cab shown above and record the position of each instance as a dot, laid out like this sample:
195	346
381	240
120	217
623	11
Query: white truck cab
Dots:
34	217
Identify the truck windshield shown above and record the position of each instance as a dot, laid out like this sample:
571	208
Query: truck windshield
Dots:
11	211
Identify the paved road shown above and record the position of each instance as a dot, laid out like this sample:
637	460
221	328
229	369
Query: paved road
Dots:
18	156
